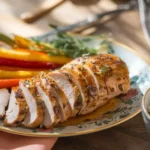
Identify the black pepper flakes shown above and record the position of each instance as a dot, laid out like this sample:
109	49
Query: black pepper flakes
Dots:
112	89
120	87
68	76
19	94
92	90
57	110
79	101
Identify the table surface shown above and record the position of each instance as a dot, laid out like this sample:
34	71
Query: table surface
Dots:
125	28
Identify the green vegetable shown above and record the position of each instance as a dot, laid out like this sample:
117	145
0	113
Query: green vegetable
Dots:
6	39
72	47
62	45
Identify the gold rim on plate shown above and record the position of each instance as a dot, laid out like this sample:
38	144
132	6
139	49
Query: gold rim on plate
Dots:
9	130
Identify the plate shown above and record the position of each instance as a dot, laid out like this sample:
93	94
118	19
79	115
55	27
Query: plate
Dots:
117	111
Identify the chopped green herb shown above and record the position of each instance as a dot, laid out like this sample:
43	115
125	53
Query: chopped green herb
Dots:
79	101
62	45
72	47
105	69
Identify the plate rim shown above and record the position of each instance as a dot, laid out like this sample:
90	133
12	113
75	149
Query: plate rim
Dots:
33	134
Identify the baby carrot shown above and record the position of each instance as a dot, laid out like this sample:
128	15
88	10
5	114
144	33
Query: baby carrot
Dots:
6	83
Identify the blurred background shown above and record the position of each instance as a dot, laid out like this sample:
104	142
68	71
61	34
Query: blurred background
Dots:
32	17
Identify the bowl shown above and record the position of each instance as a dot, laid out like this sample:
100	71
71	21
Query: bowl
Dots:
146	109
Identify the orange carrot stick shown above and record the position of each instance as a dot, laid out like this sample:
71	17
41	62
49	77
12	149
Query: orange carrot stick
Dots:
6	83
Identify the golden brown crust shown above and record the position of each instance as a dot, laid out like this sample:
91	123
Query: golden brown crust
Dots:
113	67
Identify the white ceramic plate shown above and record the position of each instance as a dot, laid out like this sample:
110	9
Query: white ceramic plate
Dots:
115	112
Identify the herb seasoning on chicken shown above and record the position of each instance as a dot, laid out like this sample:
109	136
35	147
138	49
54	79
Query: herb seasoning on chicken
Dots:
77	88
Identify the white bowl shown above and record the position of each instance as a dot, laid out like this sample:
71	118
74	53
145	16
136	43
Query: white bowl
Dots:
146	109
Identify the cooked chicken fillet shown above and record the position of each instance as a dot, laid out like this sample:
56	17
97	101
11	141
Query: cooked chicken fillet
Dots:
35	115
69	88
92	89
93	86
17	108
110	74
4	99
52	113
78	88
80	83
60	97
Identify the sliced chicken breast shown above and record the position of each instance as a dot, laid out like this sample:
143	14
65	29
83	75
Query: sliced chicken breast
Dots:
92	89
107	69
93	86
80	83
34	117
77	88
52	113
60	97
69	88
4	99
103	69
17	108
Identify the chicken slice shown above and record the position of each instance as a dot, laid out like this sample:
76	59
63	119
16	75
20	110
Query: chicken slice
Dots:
92	88
69	88
60	97
4	99
52	114
34	117
80	83
17	108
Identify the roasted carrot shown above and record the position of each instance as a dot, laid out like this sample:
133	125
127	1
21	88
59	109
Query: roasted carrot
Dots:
32	56
6	83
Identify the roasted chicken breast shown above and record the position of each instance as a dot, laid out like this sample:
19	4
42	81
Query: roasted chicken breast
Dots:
77	88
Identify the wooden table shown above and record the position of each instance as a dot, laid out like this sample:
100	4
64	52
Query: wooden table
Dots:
126	29
130	135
